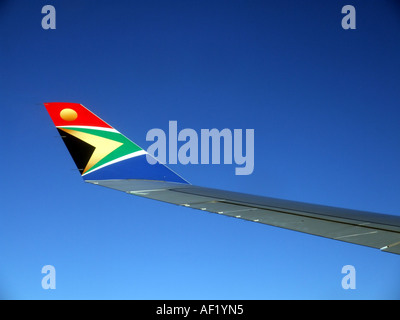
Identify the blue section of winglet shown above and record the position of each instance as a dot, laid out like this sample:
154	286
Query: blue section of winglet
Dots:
135	168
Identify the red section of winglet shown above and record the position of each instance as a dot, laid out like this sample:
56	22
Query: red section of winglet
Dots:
61	114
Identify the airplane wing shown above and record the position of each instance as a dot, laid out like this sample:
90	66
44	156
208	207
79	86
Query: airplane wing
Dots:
107	158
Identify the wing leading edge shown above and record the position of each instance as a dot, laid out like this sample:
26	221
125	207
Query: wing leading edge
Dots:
104	157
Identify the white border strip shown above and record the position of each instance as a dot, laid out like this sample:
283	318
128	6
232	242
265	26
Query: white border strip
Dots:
90	127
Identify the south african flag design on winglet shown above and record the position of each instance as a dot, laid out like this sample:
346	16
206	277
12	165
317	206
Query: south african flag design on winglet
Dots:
106	147
99	151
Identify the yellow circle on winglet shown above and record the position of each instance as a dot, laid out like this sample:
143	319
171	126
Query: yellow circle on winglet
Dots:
68	114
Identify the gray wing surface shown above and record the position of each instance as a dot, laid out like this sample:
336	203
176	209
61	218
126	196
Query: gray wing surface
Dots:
369	229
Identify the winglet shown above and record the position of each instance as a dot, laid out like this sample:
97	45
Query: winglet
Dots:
99	151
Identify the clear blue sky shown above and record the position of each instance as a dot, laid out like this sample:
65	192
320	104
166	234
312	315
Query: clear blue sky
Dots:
324	103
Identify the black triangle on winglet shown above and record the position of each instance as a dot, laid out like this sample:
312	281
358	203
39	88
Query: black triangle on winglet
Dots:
79	150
